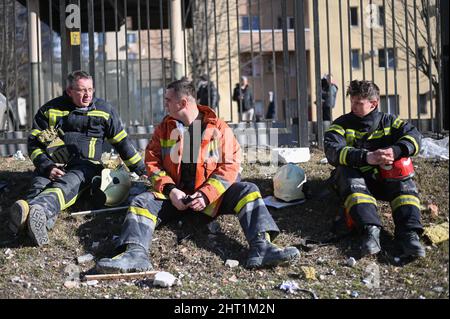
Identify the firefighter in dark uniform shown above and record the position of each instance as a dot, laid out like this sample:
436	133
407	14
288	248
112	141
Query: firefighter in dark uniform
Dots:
359	144
83	123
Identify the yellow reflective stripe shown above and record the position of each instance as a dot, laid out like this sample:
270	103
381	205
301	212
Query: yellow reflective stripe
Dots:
136	158
116	139
397	123
213	145
92	147
167	143
217	185
35	132
157	175
412	140
380	133
60	143
99	114
36	153
405	200
159	195
142	212
59	194
365	168
247	199
52	116
359	198
337	128
343	155
209	210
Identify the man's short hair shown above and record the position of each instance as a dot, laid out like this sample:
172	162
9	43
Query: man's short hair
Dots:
183	87
363	89
75	76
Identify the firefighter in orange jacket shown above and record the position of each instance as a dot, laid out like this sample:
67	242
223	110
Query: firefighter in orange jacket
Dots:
359	144
193	160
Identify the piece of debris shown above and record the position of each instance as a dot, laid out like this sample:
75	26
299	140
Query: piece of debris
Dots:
130	275
231	263
309	272
354	294
72	272
372	276
92	282
19	156
290	155
351	262
233	279
9	253
85	258
433	210
289	286
95	245
164	279
69	284
323	161
437	233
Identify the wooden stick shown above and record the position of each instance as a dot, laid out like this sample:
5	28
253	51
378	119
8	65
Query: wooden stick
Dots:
131	275
89	212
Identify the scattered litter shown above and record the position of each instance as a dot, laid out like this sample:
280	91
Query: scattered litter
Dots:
233	279
432	148
290	155
351	262
69	284
72	272
292	287
372	276
289	286
354	294
437	234
19	156
92	282
9	253
273	202
85	258
323	161
231	263
164	279
309	273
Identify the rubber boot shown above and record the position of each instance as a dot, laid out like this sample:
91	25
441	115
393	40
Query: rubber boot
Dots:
18	215
37	225
134	259
410	243
370	244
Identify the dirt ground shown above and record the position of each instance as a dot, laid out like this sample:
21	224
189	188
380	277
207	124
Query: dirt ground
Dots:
195	250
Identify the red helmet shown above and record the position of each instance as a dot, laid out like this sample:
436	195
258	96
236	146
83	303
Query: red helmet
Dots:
400	170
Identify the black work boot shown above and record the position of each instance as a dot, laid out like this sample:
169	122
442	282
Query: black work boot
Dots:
370	244
263	253
410	243
37	225
134	259
18	214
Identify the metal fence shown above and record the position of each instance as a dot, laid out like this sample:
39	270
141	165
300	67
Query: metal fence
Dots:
134	48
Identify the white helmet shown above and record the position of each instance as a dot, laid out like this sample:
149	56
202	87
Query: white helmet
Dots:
114	186
288	183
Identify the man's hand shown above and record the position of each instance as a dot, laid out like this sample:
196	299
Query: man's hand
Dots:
176	196
381	157
198	203
56	173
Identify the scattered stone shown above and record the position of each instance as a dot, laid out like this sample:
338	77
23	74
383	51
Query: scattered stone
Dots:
26	285
332	272
438	289
9	253
354	294
309	273
16	279
289	286
372	276
164	279
92	282
72	272
69	284
323	161
231	263
351	262
433	209
422	297
397	260
233	279
322	277
85	258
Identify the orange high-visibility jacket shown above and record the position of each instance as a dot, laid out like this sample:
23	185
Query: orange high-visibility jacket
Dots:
218	161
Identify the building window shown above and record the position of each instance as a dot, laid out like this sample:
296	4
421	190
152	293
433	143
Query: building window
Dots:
381	16
245	23
132	56
386	58
131	38
354	16
389	105
290	23
269	65
421	57
356	61
423	103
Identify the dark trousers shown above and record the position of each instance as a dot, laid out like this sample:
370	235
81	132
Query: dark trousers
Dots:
58	195
359	192
241	199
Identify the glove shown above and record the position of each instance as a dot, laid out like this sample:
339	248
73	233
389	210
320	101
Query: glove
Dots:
59	154
140	169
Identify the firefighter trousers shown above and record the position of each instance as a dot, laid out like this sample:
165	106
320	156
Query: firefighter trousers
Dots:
55	196
359	192
241	199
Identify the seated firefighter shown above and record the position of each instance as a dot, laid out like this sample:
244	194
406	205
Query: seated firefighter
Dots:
362	145
193	161
65	146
